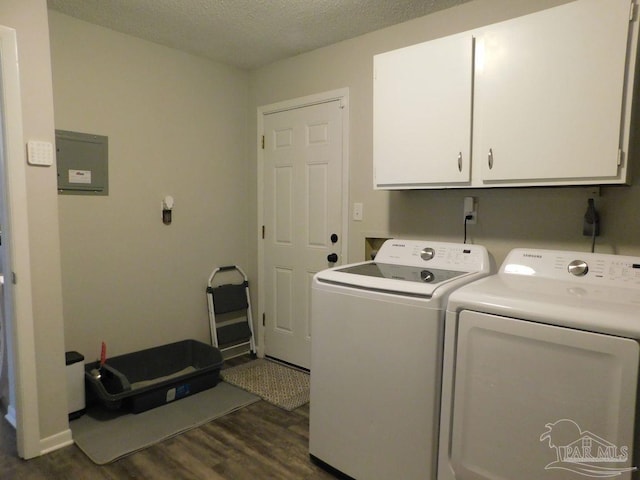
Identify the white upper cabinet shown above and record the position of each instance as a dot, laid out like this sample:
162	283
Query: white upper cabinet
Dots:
422	93
550	95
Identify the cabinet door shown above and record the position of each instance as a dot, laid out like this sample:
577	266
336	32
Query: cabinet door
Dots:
549	91
422	114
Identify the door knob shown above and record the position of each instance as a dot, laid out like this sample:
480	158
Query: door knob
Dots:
334	238
332	258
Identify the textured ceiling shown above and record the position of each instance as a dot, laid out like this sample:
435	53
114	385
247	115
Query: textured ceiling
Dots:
247	33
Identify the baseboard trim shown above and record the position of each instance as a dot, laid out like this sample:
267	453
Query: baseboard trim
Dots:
55	442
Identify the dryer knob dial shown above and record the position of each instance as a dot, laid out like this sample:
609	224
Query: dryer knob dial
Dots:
427	253
578	268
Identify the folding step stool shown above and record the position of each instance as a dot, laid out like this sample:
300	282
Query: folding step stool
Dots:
230	319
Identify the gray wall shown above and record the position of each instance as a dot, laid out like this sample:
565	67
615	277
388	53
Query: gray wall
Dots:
508	218
183	126
177	126
29	19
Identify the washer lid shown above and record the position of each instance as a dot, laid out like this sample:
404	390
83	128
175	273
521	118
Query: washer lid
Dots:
401	272
397	279
412	267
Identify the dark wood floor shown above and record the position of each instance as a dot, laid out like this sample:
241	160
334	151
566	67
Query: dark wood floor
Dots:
259	441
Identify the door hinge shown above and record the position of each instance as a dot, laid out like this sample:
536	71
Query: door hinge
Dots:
262	142
14	278
264	321
263	232
632	11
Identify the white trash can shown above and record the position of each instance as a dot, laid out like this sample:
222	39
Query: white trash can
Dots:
75	384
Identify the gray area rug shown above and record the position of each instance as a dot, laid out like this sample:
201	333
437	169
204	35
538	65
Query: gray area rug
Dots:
105	436
277	384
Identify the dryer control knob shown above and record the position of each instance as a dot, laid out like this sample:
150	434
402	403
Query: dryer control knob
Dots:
427	253
578	268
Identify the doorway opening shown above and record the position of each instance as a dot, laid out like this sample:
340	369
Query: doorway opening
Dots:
16	309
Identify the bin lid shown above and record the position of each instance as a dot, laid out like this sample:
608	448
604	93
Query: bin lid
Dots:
73	357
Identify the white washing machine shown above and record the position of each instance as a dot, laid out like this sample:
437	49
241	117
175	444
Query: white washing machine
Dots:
376	358
541	370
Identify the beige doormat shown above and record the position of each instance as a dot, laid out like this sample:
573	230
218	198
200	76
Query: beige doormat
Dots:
277	384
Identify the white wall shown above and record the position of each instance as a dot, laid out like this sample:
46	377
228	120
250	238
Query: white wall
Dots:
177	126
540	217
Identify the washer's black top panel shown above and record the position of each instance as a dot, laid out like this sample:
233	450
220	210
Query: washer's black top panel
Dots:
401	272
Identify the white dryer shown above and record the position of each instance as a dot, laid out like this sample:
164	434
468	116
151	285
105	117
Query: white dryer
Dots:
376	358
540	372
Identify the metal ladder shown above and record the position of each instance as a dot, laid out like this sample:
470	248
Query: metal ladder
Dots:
230	320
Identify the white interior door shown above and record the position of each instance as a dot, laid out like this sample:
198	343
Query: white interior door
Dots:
303	221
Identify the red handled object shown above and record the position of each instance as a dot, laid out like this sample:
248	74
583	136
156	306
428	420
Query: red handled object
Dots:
103	354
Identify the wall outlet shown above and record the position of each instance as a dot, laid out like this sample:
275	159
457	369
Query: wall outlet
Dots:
470	209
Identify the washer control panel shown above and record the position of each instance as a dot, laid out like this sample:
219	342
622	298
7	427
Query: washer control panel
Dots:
418	253
427	253
594	268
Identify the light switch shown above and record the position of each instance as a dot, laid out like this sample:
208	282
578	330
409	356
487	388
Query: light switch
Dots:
358	211
40	153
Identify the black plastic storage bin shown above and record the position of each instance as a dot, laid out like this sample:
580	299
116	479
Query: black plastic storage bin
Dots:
149	378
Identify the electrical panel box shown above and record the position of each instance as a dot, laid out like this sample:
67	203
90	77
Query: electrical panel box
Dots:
83	163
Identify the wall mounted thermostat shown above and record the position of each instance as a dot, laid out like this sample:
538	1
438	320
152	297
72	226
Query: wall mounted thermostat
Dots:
40	153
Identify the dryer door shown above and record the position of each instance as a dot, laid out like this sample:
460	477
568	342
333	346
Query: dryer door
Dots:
532	401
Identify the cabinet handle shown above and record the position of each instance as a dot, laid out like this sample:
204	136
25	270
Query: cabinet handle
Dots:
460	161
490	159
